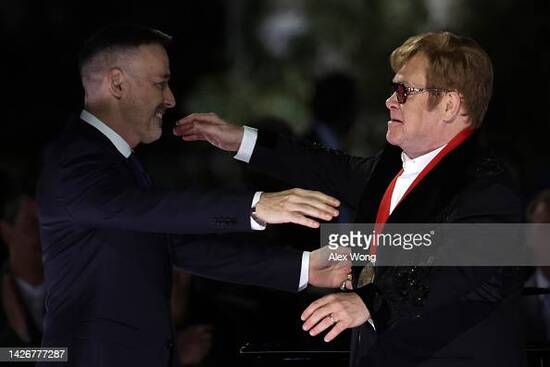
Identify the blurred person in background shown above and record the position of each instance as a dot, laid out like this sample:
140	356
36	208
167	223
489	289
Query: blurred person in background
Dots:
536	307
334	109
193	341
22	278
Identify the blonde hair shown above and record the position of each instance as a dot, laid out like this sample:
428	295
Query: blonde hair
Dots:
454	63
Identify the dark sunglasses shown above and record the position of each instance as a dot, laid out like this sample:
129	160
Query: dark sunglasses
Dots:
402	91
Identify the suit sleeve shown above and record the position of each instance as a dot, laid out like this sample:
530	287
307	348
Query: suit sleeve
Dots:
97	192
237	260
312	167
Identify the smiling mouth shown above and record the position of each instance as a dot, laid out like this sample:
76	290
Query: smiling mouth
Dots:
396	121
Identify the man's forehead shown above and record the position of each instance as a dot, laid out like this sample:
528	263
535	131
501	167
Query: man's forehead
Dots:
154	59
413	70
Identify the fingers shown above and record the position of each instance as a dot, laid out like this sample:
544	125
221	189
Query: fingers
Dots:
303	221
323	318
344	277
346	285
208	117
315	305
319	320
316	197
344	310
314	200
188	126
312	211
330	320
334	332
187	130
297	206
321	197
209	127
326	322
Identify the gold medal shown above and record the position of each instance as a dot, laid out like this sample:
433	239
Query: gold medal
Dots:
366	276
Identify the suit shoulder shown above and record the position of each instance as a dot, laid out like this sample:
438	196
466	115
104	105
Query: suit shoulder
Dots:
491	190
76	143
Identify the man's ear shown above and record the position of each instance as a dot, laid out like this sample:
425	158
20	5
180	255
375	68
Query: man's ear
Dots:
452	104
116	82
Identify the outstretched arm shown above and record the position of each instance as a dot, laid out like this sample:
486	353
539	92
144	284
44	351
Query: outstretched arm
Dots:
304	165
96	191
238	261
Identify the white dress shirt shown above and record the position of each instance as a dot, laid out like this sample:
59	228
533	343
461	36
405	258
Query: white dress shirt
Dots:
411	170
120	144
124	148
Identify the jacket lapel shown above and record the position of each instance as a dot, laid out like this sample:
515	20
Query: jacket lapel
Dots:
386	167
428	201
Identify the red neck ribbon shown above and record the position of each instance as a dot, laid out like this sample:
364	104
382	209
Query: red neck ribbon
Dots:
384	209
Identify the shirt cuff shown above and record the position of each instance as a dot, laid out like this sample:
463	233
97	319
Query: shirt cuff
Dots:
253	223
304	272
248	143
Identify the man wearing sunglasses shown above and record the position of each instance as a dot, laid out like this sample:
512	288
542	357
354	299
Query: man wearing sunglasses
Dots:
433	170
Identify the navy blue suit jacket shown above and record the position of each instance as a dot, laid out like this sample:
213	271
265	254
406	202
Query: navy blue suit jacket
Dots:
110	240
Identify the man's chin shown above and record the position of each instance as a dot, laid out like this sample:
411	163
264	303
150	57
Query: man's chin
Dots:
392	138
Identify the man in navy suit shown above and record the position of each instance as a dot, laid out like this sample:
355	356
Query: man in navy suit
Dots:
110	239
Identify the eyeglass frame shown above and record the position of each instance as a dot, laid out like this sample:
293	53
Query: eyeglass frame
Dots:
412	91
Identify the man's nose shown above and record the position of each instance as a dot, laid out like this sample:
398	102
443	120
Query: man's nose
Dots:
391	101
169	100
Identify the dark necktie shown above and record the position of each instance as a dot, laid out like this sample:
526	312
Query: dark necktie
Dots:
142	177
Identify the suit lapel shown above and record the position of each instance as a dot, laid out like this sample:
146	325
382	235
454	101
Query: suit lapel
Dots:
387	166
427	202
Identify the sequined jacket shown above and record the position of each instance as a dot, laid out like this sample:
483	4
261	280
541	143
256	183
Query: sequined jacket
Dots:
429	316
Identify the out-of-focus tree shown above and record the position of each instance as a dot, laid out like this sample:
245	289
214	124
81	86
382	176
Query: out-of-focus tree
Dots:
277	48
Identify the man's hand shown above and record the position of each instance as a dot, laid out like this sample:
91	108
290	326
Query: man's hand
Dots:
327	273
296	206
339	310
209	127
194	344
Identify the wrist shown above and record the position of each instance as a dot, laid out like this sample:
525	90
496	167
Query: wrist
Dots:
239	136
254	215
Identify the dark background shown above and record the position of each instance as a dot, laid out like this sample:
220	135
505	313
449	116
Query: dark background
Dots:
217	54
222	63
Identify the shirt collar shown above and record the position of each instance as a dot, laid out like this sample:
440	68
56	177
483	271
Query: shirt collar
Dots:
120	144
416	165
